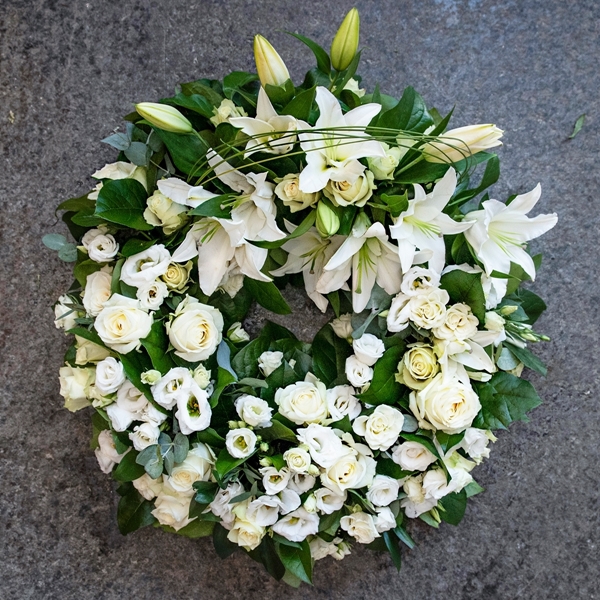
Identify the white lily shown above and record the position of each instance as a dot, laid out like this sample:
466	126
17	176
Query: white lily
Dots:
369	256
500	231
267	128
331	155
469	353
423	225
309	254
181	192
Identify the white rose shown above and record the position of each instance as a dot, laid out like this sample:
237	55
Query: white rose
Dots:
324	445
263	511
297	459
193	410
150	414
412	456
360	526
147	266
381	428
415	503
240	442
110	375
130	398
222	507
418	367
300	482
417	279
460	324
174	384
475	443
303	402
244	532
357	372
384	519
121	324
75	386
177	276
151	294
328	501
289	499
383	490
445	404
341	401
288	190
269	361
88	352
237	334
274	481
368	349
64	315
172	509
319	548
435	484
201	376
351	471
344	193
254	411
100	246
298	525
398	316
383	167
121	170
428	309
197	466
342	326
147	487
163	212
97	291
144	435
106	453
195	332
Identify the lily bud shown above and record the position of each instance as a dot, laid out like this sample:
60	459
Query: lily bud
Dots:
345	42
164	117
269	65
460	143
327	220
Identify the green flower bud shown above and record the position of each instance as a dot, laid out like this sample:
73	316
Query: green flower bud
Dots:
164	117
327	220
345	42
269	65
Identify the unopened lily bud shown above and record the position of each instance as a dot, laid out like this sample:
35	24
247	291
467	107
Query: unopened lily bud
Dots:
164	117
345	42
460	143
269	65
327	220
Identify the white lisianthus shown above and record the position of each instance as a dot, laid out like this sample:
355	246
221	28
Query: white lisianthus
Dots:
100	246
110	375
368	349
193	410
263	511
237	334
360	526
297	459
254	411
345	193
418	367
222	507
151	414
324	445
381	428
172	508
97	290
353	470
342	326
64	315
197	466
274	481
416	503
357	372
300	483
383	167
240	443
120	418
289	499
75	386
298	525
328	501
412	456
146	266
130	398
446	404
121	323
106	453
147	487
196	330
383	490
163	212
417	279
475	443
303	402
341	401
173	385
144	435
384	519
152	294
225	111
460	324
288	190
428	309
88	352
269	361
177	276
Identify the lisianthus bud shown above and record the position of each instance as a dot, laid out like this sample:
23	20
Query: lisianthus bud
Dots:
327	220
237	334
269	65
345	42
460	143
150	377
164	117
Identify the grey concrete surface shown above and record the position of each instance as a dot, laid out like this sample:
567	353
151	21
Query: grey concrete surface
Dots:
70	68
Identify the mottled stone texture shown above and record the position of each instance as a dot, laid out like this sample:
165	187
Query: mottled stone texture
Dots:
70	69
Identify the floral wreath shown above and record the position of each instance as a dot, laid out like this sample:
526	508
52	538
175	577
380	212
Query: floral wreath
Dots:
222	195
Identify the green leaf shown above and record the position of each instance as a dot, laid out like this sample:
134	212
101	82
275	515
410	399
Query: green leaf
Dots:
195	102
205	491
301	104
278	431
297	560
531	303
212	208
135	246
447	441
384	388
233	82
323	61
467	289
404	537
128	469
223	546
427	518
454	506
386	466
152	461
306	224
87	334
529	359
421	439
267	295
410	114
123	201
68	253
267	555
226	463
181	447
245	362
578	125
397	203
211	437
504	399
203	88
77	204
138	153
85	268
329	355
156	344
186	150
54	241
473	489
134	512
392	545
196	529
424	172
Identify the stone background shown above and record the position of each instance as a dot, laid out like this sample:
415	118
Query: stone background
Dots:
70	69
